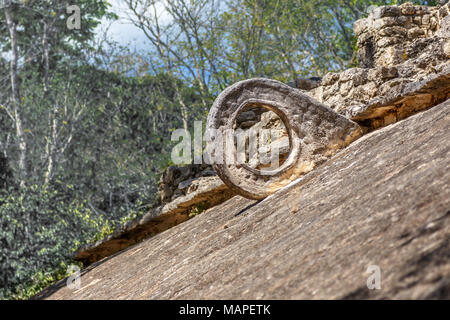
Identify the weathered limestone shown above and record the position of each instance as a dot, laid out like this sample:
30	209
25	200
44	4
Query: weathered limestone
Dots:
401	48
276	136
384	35
382	201
403	99
175	181
203	193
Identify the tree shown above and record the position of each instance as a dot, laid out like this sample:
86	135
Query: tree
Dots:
37	37
212	44
14	110
186	45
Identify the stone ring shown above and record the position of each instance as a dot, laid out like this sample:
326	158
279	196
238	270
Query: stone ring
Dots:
315	133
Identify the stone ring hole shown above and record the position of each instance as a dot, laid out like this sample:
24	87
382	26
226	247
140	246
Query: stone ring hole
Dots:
261	138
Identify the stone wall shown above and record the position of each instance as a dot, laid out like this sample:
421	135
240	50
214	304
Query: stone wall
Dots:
398	45
384	35
178	181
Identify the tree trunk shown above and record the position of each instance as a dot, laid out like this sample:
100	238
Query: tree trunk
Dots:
52	140
184	109
15	95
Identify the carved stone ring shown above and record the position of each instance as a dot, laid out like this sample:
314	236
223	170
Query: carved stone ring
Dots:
315	133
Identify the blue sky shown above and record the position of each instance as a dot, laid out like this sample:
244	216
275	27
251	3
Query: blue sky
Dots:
122	30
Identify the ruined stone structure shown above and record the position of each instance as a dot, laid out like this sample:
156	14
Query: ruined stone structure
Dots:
315	132
384	201
404	54
180	181
386	35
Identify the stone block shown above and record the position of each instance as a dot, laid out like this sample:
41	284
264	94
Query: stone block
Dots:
388	41
345	88
382	73
443	11
404	21
385	22
433	23
386	11
393	31
408	8
360	26
446	48
415	33
330	78
357	74
417	20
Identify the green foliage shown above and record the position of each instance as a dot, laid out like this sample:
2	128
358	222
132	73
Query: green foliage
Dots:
31	15
123	141
6	177
284	39
39	229
40	281
198	209
215	44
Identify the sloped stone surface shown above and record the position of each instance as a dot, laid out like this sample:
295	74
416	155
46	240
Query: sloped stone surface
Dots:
205	192
385	201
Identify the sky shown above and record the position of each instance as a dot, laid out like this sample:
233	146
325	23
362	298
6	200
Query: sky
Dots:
122	30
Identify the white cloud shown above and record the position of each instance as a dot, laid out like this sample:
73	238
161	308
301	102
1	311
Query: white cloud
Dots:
122	30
